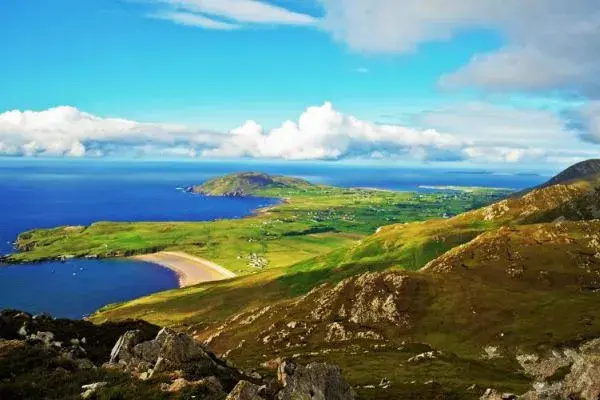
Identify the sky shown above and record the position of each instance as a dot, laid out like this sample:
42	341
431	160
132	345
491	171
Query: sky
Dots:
471	82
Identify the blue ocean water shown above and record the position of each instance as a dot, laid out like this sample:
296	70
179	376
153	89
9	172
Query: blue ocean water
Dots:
42	193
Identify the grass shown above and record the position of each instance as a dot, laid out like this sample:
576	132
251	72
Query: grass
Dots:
313	220
471	296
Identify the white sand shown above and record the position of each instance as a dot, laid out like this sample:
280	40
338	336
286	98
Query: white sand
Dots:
191	270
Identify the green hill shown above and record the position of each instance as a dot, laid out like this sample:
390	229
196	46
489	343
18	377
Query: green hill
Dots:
249	183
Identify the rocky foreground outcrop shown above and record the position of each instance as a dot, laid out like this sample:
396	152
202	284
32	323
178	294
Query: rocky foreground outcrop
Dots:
570	373
189	364
143	363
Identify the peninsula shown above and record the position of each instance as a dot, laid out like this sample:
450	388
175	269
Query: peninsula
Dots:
313	220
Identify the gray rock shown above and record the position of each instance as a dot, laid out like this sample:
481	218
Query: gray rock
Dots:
180	348
147	351
45	337
169	351
245	390
91	389
315	381
581	379
123	349
491	394
23	330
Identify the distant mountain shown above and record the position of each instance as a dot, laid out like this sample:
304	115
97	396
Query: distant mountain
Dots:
247	184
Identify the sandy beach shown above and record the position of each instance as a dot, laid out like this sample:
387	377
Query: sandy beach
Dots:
191	270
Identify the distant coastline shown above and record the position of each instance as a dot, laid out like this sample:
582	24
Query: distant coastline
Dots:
468	189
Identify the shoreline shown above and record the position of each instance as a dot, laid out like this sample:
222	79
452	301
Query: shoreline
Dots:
190	270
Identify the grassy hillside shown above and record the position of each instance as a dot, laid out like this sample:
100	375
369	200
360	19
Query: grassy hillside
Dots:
521	289
413	245
521	275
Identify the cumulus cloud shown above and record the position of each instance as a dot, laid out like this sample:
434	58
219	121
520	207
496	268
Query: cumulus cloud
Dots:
66	131
324	133
551	44
229	14
476	132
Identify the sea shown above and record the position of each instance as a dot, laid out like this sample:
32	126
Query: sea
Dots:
44	193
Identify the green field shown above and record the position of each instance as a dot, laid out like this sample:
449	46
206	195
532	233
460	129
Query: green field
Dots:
312	220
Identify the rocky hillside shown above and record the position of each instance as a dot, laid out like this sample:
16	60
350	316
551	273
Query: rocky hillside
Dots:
441	309
580	170
43	358
247	184
412	246
541	256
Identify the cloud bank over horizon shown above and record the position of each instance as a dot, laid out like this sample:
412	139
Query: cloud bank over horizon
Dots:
475	132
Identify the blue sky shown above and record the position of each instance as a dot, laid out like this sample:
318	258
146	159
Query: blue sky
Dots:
188	74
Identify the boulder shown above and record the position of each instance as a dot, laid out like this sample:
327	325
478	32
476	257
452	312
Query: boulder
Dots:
491	394
168	351
316	381
45	337
122	352
245	390
90	390
210	386
570	373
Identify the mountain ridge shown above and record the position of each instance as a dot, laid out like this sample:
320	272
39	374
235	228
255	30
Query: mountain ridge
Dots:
579	170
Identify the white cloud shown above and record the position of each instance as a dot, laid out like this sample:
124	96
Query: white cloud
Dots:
504	126
324	133
66	131
226	14
504	134
475	132
195	20
551	44
586	120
